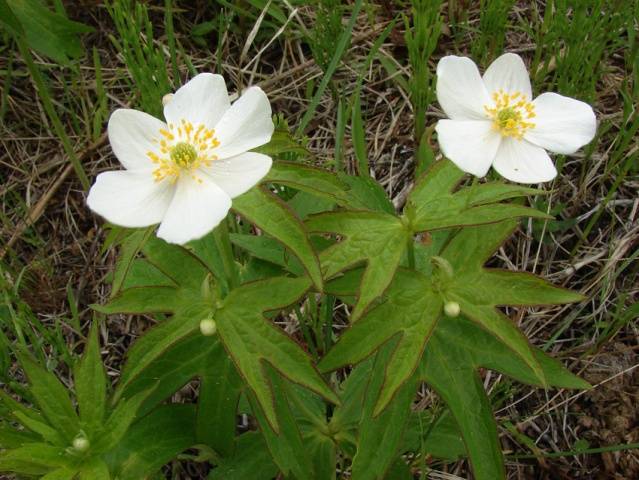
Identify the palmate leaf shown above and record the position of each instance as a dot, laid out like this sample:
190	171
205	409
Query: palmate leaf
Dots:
286	445
167	280
274	217
358	193
434	204
251	341
387	428
456	350
412	306
153	441
379	239
409	313
479	290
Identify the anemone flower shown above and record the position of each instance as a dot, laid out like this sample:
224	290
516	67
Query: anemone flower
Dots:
183	173
494	120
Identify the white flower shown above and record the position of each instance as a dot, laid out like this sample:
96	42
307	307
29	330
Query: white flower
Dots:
494	121
184	173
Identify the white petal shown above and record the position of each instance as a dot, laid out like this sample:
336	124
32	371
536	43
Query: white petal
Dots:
508	73
460	90
130	199
202	100
246	125
523	162
237	175
131	134
469	144
562	124
195	210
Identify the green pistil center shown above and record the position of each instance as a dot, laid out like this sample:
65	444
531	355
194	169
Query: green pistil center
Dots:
183	154
508	117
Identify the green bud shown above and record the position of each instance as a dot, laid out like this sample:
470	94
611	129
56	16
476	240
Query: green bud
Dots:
81	443
208	327
452	309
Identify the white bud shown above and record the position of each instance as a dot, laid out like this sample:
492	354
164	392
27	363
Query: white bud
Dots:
208	327
452	309
81	443
166	99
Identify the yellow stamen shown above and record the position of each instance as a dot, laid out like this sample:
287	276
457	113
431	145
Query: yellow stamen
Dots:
509	116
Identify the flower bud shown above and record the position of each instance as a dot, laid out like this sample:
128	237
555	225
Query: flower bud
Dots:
166	99
81	443
208	327
452	309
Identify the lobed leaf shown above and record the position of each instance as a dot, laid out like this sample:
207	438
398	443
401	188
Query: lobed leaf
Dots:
91	384
52	397
409	313
153	441
379	239
274	217
251	341
433	204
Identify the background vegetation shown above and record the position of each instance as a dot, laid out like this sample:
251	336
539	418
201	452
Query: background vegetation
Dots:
353	81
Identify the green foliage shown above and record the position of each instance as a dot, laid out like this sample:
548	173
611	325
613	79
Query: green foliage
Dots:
145	61
56	441
49	33
458	347
271	215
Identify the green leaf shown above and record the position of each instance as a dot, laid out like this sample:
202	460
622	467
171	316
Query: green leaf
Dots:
311	180
64	473
274	217
439	436
409	313
251	461
9	20
379	239
168	280
479	290
456	350
12	438
52	397
130	247
269	249
386	428
286	446
283	142
50	33
366	193
151	347
433	203
95	469
32	420
121	418
251	340
33	459
153	441
220	389
91	384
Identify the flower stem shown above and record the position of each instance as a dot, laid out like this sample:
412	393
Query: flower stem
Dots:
410	250
223	243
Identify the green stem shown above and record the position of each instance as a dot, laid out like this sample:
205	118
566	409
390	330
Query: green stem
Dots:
410	250
45	96
223	243
306	332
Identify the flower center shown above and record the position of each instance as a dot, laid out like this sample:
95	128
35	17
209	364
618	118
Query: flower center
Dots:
183	148
511	113
183	154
